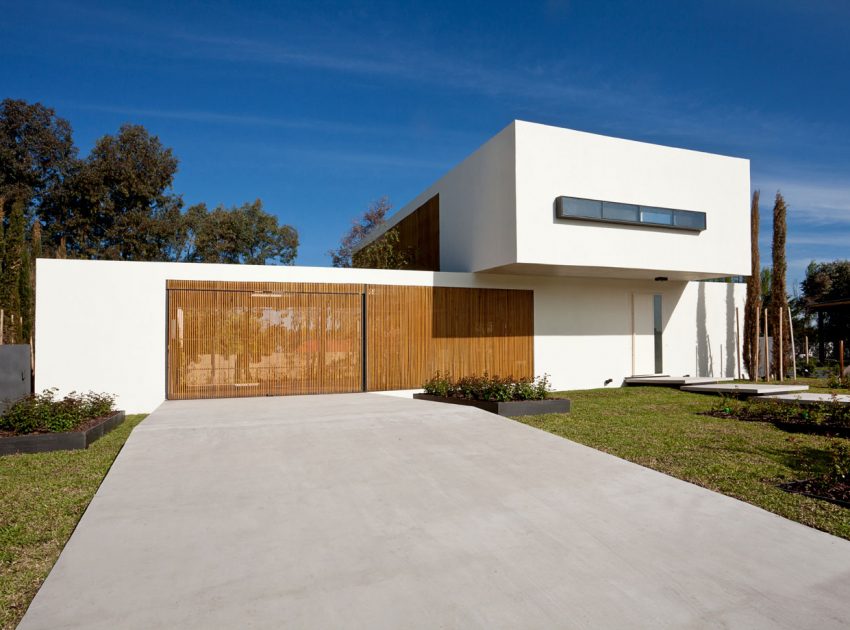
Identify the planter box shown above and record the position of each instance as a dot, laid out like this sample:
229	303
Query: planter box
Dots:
512	408
72	440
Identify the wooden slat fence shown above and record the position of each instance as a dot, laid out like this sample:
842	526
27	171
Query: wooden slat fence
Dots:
230	339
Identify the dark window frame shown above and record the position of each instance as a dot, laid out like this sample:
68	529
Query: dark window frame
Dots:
676	215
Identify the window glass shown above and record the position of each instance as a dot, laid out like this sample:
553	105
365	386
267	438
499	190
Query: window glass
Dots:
661	216
691	220
575	207
658	329
620	211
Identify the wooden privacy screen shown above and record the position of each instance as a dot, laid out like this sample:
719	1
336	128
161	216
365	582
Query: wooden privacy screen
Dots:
255	339
259	342
413	332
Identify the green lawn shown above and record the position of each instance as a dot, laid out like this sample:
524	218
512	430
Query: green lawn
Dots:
42	497
662	428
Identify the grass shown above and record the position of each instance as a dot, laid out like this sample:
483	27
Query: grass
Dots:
42	497
662	428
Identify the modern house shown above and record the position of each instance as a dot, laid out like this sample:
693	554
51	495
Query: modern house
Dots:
547	251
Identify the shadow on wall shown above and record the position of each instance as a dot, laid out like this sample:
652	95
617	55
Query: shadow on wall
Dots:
728	359
731	353
705	362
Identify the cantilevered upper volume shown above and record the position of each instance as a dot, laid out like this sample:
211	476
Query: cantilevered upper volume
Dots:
550	201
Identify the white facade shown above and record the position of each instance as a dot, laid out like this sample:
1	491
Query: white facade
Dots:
497	208
101	325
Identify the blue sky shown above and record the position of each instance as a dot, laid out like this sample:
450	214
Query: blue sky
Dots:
319	108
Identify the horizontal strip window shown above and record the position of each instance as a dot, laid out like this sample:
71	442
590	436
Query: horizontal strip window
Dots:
613	212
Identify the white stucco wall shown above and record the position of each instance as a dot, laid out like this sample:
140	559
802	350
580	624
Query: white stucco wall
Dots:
477	208
553	162
102	325
583	328
497	207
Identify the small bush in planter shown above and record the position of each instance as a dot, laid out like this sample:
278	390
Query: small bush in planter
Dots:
42	413
486	387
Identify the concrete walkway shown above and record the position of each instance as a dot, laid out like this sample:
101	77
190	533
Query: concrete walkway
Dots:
367	511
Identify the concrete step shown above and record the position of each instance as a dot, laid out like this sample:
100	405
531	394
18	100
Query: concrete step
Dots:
673	381
744	389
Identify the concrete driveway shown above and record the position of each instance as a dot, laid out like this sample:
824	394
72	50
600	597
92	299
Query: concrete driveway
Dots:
368	511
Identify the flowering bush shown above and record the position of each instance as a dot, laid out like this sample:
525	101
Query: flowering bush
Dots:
42	413
486	387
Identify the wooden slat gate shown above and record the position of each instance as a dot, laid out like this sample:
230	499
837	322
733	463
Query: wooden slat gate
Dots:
229	339
252	341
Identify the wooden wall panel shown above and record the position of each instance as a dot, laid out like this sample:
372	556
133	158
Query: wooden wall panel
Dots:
261	287
244	343
255	339
413	332
419	236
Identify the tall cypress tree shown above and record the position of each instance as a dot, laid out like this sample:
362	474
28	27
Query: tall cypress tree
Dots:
2	237
10	295
25	298
752	307
778	293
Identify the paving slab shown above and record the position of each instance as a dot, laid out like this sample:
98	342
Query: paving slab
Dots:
744	389
675	381
367	511
809	398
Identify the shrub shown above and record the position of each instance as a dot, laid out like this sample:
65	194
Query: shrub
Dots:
728	406
42	413
829	415
836	381
492	388
839	454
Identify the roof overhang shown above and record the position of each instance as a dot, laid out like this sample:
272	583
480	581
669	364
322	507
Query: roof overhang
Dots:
577	271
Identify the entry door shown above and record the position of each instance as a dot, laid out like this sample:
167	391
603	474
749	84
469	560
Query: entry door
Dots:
646	334
243	343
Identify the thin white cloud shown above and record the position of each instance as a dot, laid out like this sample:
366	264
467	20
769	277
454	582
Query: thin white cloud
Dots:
200	116
830	239
811	201
367	159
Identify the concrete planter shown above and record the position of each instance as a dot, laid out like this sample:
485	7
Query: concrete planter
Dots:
512	408
72	440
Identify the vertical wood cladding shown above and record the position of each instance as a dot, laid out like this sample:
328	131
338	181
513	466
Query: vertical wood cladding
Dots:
229	339
419	236
413	332
263	339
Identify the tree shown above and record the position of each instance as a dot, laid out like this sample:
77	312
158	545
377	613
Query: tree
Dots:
25	298
372	219
10	296
828	282
385	252
36	151
245	234
116	204
778	293
752	306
